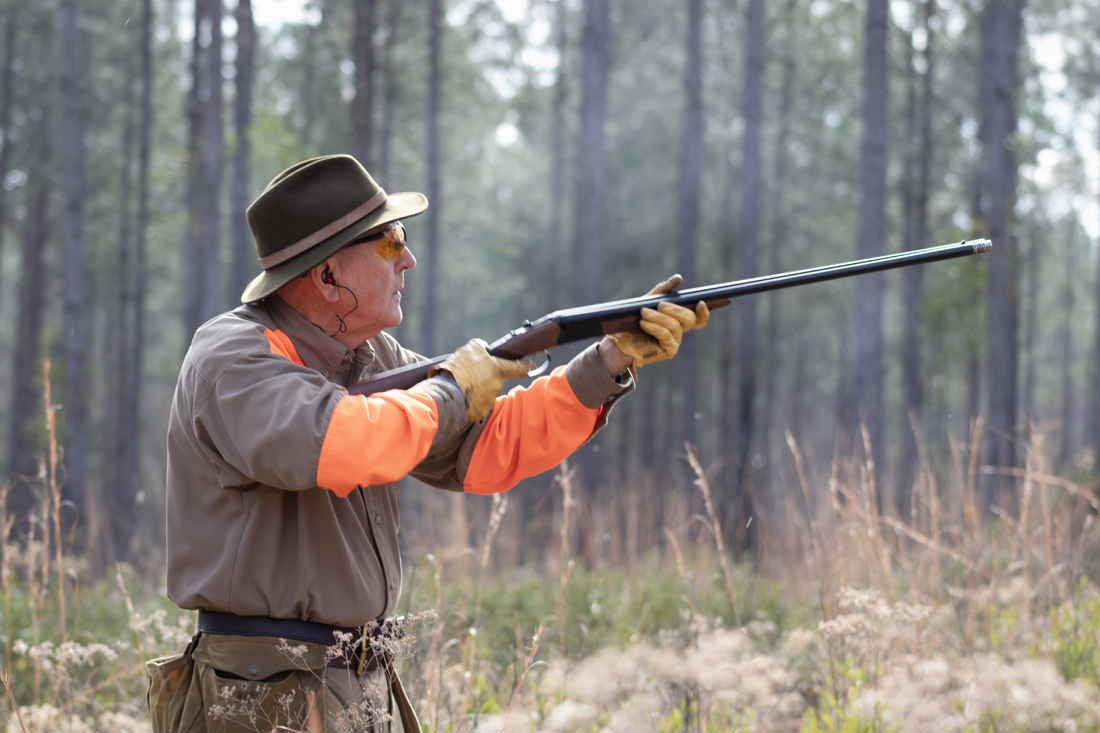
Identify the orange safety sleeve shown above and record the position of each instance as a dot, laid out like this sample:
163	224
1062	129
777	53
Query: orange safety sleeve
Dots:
530	431
375	440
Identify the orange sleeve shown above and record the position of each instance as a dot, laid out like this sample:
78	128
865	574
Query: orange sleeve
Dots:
530	431
375	440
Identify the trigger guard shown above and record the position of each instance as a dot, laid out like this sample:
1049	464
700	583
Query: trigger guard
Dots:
542	368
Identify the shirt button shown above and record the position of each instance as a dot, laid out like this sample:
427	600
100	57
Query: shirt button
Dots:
378	519
326	373
253	671
393	583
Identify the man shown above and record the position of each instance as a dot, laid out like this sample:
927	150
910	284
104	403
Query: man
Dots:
282	488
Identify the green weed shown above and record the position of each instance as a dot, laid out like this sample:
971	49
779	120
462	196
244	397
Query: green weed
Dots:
1075	636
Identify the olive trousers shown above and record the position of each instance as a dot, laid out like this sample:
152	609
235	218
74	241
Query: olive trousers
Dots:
256	684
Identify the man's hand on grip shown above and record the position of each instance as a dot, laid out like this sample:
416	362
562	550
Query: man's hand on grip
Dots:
480	376
660	330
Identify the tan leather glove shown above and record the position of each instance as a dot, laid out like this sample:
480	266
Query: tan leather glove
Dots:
661	329
480	375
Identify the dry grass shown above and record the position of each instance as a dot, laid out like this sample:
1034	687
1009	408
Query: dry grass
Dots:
945	621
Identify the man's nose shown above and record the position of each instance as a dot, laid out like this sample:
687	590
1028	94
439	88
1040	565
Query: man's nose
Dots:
406	261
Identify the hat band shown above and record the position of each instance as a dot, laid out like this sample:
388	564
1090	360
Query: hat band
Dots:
321	235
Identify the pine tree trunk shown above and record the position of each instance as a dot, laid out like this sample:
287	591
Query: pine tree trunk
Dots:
23	442
687	230
910	351
767	478
215	298
244	252
917	229
999	188
307	93
648	443
1069	391
7	83
872	231
362	53
206	149
431	249
1030	326
195	249
554	299
590	168
391	91
728	369
119	520
752	181
1093	421
72	228
130	412
974	407
588	188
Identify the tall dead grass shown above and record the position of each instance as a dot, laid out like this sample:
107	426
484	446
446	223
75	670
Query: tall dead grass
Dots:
944	620
62	670
947	619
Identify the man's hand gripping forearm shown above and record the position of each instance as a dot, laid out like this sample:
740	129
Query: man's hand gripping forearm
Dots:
658	335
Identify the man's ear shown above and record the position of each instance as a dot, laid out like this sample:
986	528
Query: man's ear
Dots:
324	280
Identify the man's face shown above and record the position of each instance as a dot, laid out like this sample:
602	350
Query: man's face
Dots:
375	272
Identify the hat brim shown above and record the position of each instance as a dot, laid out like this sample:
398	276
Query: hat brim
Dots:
397	206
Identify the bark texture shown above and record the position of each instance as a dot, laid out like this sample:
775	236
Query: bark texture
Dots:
1069	390
589	182
872	231
752	182
121	379
72	233
205	147
214	300
591	166
130	415
554	263
244	251
1093	421
919	175
362	53
25	387
7	84
687	229
767	477
391	90
1003	23
431	247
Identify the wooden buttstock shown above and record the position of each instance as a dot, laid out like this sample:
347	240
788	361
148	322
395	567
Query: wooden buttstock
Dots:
402	378
519	344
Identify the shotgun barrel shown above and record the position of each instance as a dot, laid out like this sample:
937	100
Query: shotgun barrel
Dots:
593	321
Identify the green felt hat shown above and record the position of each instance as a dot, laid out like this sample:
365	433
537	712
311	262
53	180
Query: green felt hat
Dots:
313	209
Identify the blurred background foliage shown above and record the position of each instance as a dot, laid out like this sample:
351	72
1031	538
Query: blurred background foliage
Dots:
511	84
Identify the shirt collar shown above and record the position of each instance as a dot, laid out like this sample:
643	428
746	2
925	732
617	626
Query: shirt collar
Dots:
317	349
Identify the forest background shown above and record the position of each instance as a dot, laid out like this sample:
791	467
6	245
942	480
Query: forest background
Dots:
572	152
931	433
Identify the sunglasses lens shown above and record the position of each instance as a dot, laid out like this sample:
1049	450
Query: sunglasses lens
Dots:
396	235
393	242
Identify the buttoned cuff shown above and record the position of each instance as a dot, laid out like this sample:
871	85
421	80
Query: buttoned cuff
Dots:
590	382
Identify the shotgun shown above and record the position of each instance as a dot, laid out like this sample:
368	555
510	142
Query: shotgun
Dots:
594	321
